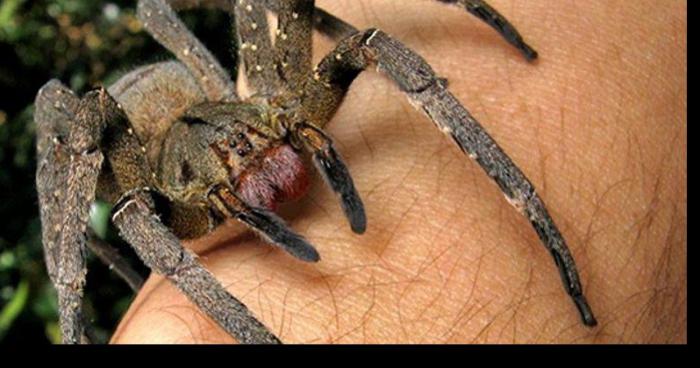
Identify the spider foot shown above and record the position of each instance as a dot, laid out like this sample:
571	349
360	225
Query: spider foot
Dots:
585	311
334	171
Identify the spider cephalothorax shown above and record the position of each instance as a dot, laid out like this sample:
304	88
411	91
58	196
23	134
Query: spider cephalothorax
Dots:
234	143
177	151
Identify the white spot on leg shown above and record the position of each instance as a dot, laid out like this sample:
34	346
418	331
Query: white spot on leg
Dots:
119	212
518	204
371	37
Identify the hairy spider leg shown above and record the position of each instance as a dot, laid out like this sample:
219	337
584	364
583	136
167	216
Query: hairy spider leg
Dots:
493	18
66	178
255	47
110	256
334	172
56	107
163	252
332	26
427	92
337	29
293	42
160	20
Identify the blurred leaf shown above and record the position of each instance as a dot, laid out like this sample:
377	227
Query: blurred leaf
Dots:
7	260
8	9
45	304
53	332
99	218
14	307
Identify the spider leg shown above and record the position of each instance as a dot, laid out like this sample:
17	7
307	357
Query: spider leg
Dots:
323	21
66	179
337	29
162	252
255	47
293	41
55	109
110	256
267	224
332	26
492	17
160	20
335	173
428	92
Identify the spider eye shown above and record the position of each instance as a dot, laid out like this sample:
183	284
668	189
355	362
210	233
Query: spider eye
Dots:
240	136
241	152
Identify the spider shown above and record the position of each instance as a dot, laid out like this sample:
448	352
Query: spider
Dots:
176	150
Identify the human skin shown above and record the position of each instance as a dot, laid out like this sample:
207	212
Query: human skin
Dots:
598	124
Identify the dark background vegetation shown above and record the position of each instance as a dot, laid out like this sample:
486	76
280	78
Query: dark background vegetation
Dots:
84	44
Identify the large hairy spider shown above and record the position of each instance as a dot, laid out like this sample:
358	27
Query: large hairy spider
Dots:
177	152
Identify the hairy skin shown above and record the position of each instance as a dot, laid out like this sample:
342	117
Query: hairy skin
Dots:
599	126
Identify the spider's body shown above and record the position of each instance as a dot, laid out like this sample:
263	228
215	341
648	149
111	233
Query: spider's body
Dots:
244	145
177	151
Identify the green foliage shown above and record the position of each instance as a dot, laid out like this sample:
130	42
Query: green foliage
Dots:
83	44
8	10
14	307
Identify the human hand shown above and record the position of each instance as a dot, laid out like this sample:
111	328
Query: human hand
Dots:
598	124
